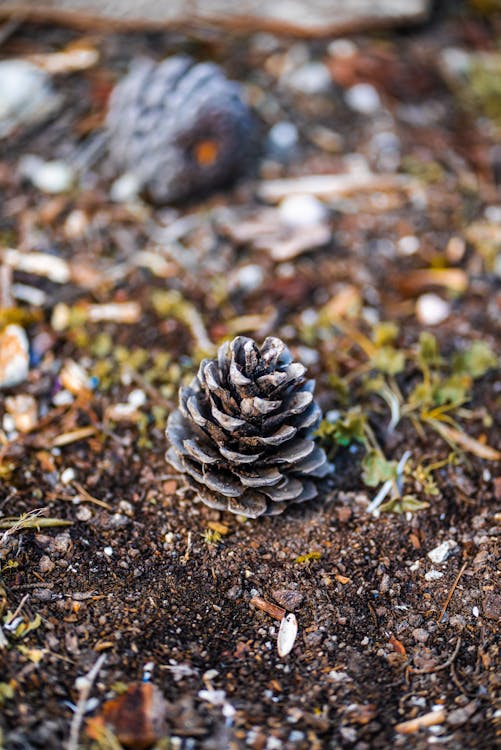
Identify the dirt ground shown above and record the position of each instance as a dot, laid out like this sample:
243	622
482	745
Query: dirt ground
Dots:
144	583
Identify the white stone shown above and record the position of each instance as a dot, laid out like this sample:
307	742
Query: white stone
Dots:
52	177
433	575
310	78
408	245
283	138
431	310
26	96
125	189
68	475
302	211
442	552
137	398
248	277
14	356
363	98
342	48
108	551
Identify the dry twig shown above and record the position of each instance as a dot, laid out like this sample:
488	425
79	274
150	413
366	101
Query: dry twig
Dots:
449	595
84	686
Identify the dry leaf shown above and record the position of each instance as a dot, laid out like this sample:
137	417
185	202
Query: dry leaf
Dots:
137	717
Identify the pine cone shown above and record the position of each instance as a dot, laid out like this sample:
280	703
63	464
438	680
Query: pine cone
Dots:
181	128
242	433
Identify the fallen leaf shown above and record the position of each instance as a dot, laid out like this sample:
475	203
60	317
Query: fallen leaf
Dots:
137	717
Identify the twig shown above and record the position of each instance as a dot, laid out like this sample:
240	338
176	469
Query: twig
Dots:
271	609
449	595
420	722
441	666
90	498
18	609
84	686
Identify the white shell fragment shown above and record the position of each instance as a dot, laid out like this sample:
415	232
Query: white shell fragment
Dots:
14	356
287	635
442	552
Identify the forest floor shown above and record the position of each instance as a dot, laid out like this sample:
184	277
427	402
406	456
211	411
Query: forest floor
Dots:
153	589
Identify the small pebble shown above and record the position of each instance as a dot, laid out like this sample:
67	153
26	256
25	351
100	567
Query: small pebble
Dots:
14	356
363	98
310	78
302	211
23	410
342	48
108	551
431	310
420	635
84	513
442	552
247	278
46	565
68	476
289	599
125	189
433	575
136	398
26	96
408	245
76	224
61	543
50	177
283	140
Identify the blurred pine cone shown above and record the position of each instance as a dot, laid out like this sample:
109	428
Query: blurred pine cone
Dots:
181	128
243	430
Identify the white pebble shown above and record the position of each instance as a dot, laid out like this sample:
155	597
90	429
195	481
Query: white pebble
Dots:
108	551
76	224
408	245
137	398
26	96
310	78
248	277
14	356
23	410
287	634
50	177
433	575
363	98
302	211
475	611
68	476
62	398
283	138
456	61
342	48
432	309
442	552
125	189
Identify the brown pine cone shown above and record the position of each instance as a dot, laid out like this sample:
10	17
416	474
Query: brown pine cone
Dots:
181	128
243	432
